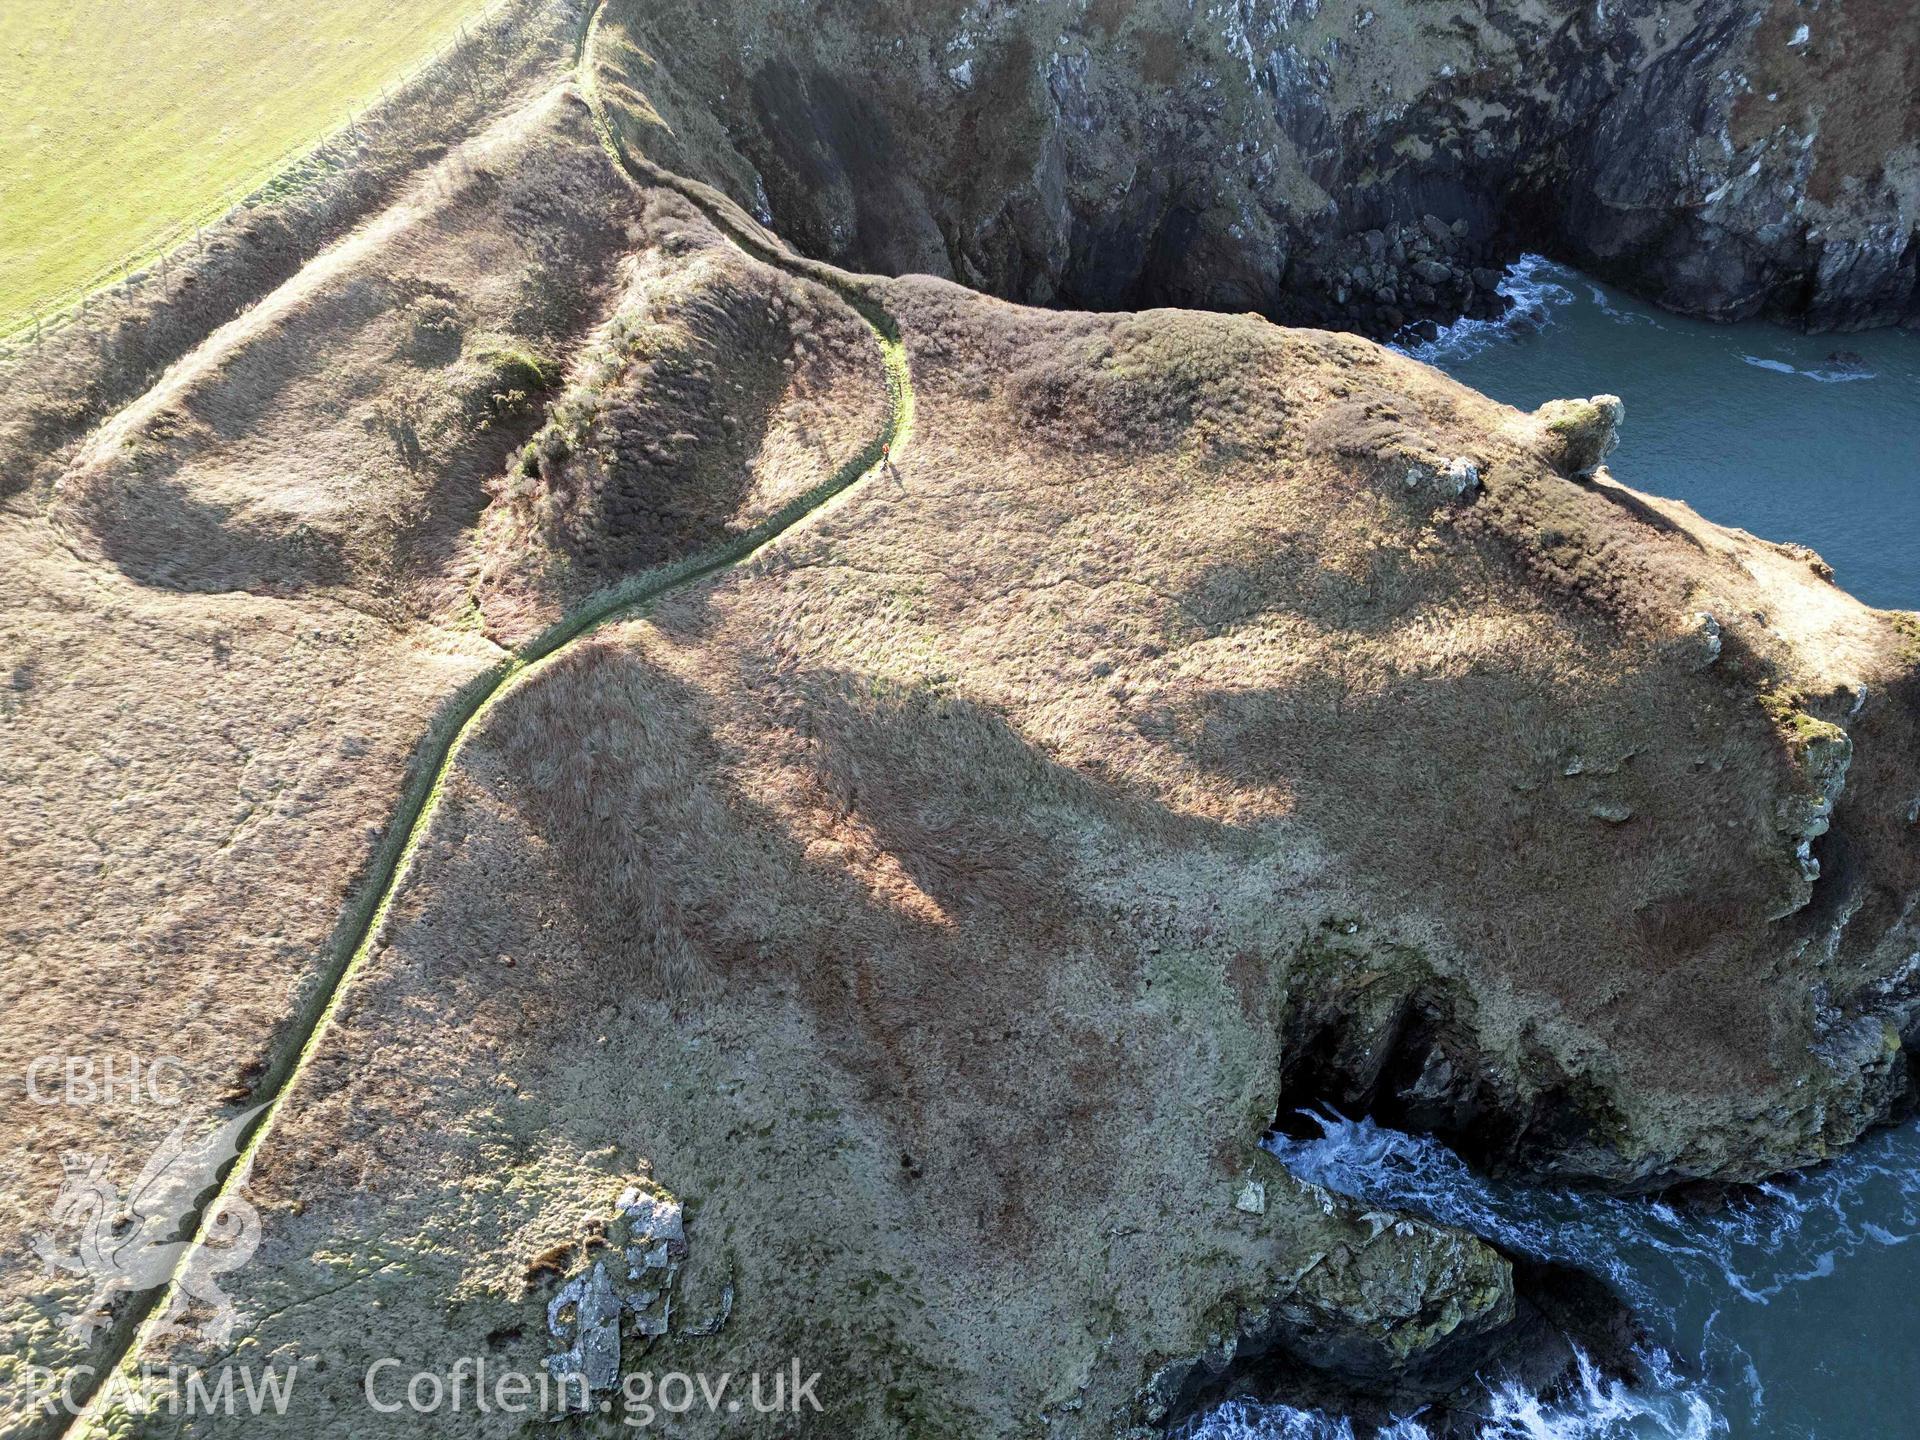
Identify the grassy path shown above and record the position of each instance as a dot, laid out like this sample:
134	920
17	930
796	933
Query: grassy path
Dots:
467	710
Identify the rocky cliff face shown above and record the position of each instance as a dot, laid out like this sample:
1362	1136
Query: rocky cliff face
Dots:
1359	165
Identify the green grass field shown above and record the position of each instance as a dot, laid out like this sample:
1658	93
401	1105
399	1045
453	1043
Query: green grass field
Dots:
123	121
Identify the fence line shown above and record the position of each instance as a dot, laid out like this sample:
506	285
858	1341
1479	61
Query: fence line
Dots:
79	300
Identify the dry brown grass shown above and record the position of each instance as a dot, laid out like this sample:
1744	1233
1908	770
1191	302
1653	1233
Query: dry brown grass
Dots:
1854	86
720	389
341	434
925	900
896	1053
1219	591
231	627
194	785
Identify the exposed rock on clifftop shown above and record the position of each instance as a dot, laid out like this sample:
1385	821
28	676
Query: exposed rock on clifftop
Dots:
1316	162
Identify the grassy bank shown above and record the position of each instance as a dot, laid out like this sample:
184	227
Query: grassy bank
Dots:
125	122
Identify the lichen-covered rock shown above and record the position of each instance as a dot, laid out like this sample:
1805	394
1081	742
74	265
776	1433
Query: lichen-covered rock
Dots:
1821	752
586	1311
1581	433
1422	1309
591	1311
1458	479
1710	639
1379	1305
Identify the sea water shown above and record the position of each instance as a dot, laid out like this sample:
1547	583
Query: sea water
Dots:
1809	438
1790	1313
1795	1313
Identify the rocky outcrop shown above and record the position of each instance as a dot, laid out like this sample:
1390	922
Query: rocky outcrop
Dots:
1399	1316
626	1292
1584	432
1386	1307
1359	166
1760	162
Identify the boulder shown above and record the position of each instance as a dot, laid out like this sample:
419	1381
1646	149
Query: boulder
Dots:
1581	433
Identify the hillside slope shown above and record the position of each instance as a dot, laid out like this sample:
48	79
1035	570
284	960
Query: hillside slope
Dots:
941	906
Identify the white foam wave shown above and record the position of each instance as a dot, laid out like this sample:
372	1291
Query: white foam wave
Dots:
1257	1420
1619	316
1535	285
1824	377
1250	1420
1602	1409
1782	1235
1593	1408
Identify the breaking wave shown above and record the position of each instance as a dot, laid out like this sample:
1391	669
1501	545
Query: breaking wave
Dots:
1774	1236
1595	1409
1678	1270
1535	286
1839	376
